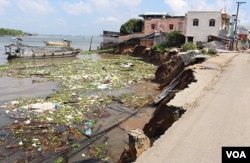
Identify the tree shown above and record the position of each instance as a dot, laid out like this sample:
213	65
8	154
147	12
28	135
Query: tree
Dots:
175	39
172	39
131	26
10	32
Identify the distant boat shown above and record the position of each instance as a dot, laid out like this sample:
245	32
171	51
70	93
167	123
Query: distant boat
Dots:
39	52
58	43
17	40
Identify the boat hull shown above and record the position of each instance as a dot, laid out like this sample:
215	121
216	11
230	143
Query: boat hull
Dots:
42	55
39	52
57	43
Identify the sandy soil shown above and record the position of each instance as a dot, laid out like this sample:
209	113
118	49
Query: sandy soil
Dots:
217	113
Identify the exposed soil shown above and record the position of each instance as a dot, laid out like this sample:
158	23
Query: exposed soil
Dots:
162	117
172	70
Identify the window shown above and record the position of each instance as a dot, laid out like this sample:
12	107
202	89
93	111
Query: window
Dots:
211	22
171	26
152	26
196	22
180	26
190	39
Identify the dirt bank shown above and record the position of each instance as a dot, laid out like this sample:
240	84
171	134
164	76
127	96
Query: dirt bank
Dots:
171	72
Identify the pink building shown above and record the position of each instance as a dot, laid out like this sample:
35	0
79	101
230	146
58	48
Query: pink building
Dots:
163	22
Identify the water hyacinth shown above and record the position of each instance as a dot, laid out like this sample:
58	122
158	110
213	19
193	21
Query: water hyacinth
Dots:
85	86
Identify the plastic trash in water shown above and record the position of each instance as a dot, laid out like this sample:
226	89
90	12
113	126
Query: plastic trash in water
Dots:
89	123
88	131
102	86
57	106
39	149
87	126
115	78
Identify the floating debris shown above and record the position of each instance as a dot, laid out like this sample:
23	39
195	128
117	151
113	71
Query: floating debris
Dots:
72	112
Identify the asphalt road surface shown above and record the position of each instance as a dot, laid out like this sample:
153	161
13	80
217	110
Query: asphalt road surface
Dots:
222	118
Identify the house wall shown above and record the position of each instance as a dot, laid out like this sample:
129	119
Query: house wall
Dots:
110	38
163	24
201	32
147	42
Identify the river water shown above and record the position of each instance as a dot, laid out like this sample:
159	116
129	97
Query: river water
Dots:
82	42
12	88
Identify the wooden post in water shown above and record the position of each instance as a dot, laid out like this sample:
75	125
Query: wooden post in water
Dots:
90	43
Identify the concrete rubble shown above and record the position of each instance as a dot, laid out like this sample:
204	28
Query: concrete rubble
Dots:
138	143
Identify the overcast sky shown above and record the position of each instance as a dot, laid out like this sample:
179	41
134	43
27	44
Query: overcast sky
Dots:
91	17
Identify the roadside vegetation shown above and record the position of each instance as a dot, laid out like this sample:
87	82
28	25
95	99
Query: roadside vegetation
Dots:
172	39
176	39
188	46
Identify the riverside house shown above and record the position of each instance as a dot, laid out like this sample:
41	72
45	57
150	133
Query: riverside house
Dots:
204	24
163	22
197	26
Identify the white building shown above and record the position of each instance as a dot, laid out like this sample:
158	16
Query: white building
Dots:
201	24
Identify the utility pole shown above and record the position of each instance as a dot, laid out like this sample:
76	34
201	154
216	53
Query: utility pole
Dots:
90	43
236	21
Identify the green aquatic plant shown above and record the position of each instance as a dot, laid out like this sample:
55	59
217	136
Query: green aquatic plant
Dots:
85	89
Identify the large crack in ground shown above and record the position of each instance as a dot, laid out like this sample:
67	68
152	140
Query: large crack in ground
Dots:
164	115
172	77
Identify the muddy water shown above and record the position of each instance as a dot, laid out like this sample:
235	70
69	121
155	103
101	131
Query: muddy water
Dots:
13	88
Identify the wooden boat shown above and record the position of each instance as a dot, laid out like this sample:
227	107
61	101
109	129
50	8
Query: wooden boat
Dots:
58	43
39	52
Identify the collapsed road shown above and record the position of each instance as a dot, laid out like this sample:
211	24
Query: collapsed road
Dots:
172	77
217	114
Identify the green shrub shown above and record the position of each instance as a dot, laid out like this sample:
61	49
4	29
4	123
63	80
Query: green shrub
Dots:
172	39
212	51
175	39
188	46
160	46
